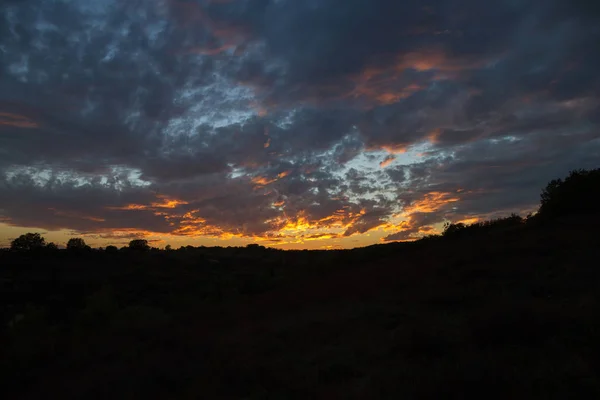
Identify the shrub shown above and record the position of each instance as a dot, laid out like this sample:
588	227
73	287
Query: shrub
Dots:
494	225
576	194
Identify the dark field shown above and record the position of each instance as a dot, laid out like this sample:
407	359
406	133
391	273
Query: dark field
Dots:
509	312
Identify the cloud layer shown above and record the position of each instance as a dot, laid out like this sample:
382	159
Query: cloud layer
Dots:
294	123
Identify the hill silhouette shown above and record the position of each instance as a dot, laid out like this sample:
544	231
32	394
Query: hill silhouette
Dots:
501	308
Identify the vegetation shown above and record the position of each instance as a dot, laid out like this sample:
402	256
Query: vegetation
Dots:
77	244
501	309
578	194
139	245
479	228
28	242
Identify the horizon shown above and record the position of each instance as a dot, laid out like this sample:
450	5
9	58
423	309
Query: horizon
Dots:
294	125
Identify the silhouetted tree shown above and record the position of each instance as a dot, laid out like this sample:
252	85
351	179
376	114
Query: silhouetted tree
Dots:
28	242
576	194
111	249
453	229
168	247
139	245
77	244
52	246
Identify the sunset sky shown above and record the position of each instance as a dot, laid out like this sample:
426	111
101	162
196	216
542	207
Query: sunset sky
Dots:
288	123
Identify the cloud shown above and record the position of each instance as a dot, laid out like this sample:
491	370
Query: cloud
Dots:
384	116
387	161
17	121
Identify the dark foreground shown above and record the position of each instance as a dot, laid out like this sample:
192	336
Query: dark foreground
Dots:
508	313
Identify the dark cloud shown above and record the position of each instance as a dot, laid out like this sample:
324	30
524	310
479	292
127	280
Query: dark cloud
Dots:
346	36
249	116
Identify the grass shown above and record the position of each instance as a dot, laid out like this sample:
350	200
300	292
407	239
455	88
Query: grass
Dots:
513	314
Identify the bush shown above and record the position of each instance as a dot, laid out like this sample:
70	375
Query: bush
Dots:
575	195
494	225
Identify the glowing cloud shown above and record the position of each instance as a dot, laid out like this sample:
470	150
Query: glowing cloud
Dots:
262	181
17	121
165	203
387	161
431	202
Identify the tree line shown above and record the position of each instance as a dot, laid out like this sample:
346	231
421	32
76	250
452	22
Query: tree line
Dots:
36	242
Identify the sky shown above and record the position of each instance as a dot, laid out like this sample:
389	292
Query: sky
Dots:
293	124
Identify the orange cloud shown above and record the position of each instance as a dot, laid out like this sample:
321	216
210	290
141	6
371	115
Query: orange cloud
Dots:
17	121
434	135
165	203
299	225
387	161
375	86
394	149
318	236
293	232
286	230
468	221
434	59
168	203
387	85
262	181
130	207
409	224
421	61
398	227
194	225
300	228
430	203
121	234
426	230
